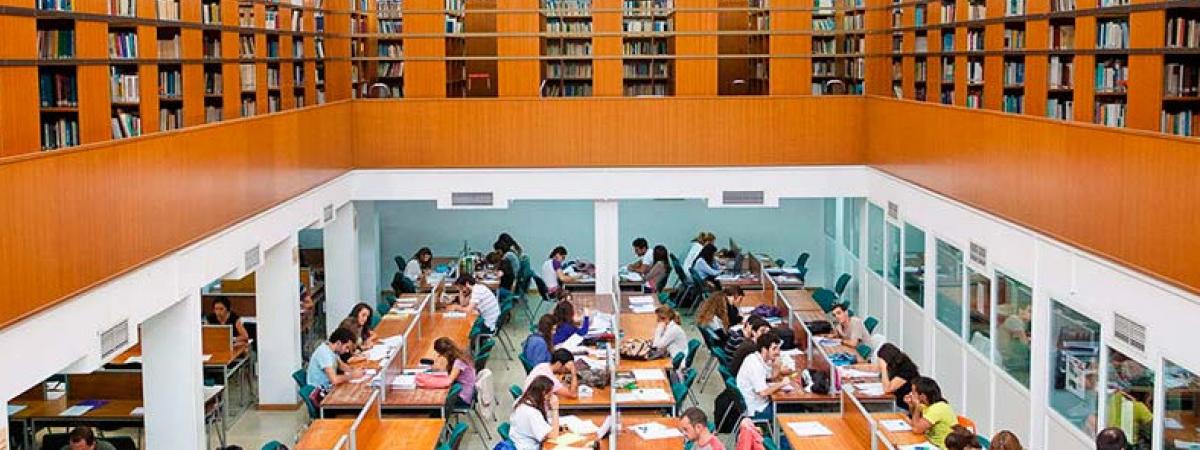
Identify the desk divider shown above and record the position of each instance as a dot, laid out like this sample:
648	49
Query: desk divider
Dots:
393	365
614	361
216	339
883	443
105	385
343	443
862	426
367	423
803	337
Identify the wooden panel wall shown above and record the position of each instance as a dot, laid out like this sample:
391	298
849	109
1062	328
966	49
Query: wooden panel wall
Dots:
73	219
607	132
1129	196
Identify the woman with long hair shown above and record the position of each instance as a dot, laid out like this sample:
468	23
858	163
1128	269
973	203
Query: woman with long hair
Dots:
564	313
658	269
359	323
538	345
714	315
667	333
898	372
534	418
698	243
706	265
459	365
419	266
1006	440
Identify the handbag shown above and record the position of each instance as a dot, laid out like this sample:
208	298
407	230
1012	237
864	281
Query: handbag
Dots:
433	381
636	349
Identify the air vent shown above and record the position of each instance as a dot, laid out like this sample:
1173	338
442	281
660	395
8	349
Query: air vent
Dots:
742	197
1129	332
114	338
893	211
978	255
328	213
471	199
253	258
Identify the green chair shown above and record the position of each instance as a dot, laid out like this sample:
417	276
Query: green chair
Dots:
840	287
300	377
384	304
870	322
455	437
481	360
825	298
725	373
769	444
681	388
516	391
273	445
693	345
503	429
864	351
314	411
677	360
525	362
983	442
801	261
485	347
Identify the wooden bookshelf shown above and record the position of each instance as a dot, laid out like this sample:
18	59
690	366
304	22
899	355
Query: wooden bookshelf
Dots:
566	48
648	45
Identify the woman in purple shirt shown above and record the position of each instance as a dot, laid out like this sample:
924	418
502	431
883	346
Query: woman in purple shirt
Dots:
565	313
459	366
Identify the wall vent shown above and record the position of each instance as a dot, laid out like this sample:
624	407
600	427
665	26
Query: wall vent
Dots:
978	255
742	197
114	338
328	213
471	199
893	211
253	258
1129	332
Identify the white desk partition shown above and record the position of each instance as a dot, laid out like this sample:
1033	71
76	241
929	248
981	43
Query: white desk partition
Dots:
393	365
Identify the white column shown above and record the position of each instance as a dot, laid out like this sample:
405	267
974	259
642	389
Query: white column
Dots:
341	266
277	301
1041	341
369	263
608	249
172	378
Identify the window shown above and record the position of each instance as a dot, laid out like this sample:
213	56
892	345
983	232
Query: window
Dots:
1074	360
979	291
831	218
914	264
852	224
950	286
1181	405
1129	400
1014	309
875	237
893	254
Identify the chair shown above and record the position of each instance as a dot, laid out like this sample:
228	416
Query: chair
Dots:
525	362
769	444
455	438
384	304
273	445
502	429
314	410
450	401
300	377
870	322
693	345
681	388
516	391
802	261
481	360
825	298
840	286
677	361
864	351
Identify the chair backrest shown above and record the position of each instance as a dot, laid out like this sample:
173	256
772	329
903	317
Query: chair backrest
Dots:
306	391
481	360
502	430
870	322
725	373
840	286
456	436
731	383
801	273
825	298
802	261
273	445
485	393
680	389
300	377
968	423
693	345
516	391
384	304
525	362
679	273
864	350
451	398
677	360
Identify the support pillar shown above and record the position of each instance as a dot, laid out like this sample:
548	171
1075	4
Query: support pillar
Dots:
172	376
341	266
278	299
608	253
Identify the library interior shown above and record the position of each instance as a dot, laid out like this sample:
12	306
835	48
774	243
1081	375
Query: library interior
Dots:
439	224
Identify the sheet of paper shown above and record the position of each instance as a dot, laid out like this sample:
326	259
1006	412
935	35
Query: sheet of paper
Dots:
641	309
567	439
855	373
573	343
826	341
641	300
809	429
792	352
1186	445
626	397
746	309
138	411
601	322
895	425
393	341
13	409
577	425
405	382
873	389
205	358
654	430
921	446
377	353
1171	424
649	374
454	314
77	410
653	395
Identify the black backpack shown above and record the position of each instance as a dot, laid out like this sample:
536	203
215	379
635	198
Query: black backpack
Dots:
787	335
726	400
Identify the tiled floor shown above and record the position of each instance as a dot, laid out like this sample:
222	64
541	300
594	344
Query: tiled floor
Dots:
256	428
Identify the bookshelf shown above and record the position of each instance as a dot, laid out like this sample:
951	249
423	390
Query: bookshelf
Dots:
759	16
456	48
389	18
1181	71
647	45
566	48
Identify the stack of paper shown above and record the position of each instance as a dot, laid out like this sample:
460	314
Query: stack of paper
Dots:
655	430
77	410
454	314
810	429
1186	445
895	425
601	322
138	411
871	389
828	342
848	372
792	352
644	395
641	300
649	374
378	352
746	309
641	309
573	344
577	425
1171	424
405	382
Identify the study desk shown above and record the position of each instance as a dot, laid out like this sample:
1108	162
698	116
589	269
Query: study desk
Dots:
601	399
324	434
1189	432
849	432
421	434
897	438
801	300
627	438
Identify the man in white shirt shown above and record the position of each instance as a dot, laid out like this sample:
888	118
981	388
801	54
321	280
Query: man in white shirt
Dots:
478	296
562	362
753	378
645	259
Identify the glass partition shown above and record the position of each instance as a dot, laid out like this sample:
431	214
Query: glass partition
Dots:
831	217
1129	399
1074	360
1014	311
875	238
1182	406
950	286
979	292
914	264
852	224
893	254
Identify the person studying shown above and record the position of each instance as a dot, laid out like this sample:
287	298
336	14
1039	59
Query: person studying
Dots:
222	314
419	266
83	438
929	413
702	239
564	313
459	366
324	363
534	419
754	377
359	323
706	265
667	333
536	348
849	329
645	259
898	372
659	269
552	272
477	296
562	363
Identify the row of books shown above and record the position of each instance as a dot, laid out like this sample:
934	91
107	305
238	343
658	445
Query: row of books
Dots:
392	9
568	69
297	20
1061	72
212	45
246	45
1110	114
390	69
645	48
948	41
1062	109
657	87
170	118
921	44
760	22
298	76
248	82
1014	73
213	113
557	48
567	8
1062	36
853	45
391	26
210	12
975	99
1062	5
824	24
390	49
297	47
1014	38
249	107
557	25
975	39
319	45
947	10
823	7
122	44
853	22
1112	75
169	48
246	15
824	68
1013	103
455	24
920	71
947	97
1107	3
976	11
57	90
824	46
271	19
947	69
358	24
126	124
974	71
1183	32
170	83
56	43
897	69
1181	123
56	5
647	69
272	46
1112	34
646	25
168	9
123	86
1014	7
213	82
273	103
638	5
567	90
1182	80
273	78
59	132
125	8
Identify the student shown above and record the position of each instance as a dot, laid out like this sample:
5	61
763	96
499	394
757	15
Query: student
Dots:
324	363
460	367
929	413
714	316
534	419
359	323
898	372
508	277
754	377
564	313
222	314
478	296
1111	438
960	438
660	266
693	423
561	363
734	296
510	243
552	272
1012	339
83	438
537	346
849	329
668	334
645	259
1006	440
748	436
419	266
706	265
755	327
698	244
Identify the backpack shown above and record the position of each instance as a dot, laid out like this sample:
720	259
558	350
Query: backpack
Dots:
596	378
638	349
819	327
788	336
504	445
727	399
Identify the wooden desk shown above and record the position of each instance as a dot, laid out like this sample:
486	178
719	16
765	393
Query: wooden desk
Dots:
799	396
627	439
602	399
324	434
897	438
787	281
844	437
1189	432
801	300
418	434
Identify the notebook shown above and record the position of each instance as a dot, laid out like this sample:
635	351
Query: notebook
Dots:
810	429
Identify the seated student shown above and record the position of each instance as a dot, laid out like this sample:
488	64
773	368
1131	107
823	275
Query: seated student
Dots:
324	363
693	423
734	296
459	365
477	296
222	314
1006	440
702	239
508	277
929	413
748	436
552	272
537	346
960	438
897	371
1111	438
419	266
714	316
359	323
706	265
660	267
755	375
849	329
83	438
667	333
564	313
755	327
561	363
645	259
534	419
510	243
